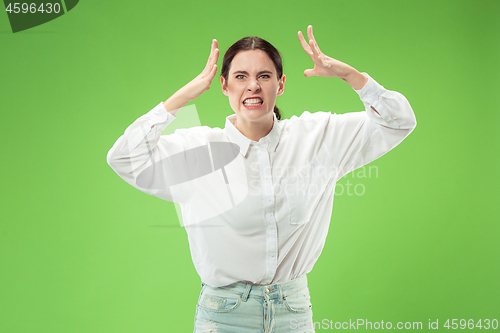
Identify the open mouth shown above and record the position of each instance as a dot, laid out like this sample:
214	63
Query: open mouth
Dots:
254	101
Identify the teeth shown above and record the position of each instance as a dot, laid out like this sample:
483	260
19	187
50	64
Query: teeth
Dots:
253	101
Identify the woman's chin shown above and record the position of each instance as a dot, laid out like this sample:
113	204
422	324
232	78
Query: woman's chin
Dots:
254	113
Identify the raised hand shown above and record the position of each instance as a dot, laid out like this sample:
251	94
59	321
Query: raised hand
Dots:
329	67
196	86
202	82
323	64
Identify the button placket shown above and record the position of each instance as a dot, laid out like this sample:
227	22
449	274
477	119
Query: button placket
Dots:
271	230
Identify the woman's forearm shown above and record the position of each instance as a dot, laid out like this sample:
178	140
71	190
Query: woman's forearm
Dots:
355	79
175	102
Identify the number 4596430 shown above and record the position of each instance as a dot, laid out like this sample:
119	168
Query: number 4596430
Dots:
32	8
486	324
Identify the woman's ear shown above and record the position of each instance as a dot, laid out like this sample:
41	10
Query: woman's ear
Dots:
281	85
223	85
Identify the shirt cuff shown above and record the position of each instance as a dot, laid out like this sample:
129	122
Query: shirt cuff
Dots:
161	112
157	115
370	90
371	95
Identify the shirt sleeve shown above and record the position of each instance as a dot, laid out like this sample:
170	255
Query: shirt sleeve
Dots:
357	138
141	156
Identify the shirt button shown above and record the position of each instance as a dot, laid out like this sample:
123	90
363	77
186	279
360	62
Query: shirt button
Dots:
269	200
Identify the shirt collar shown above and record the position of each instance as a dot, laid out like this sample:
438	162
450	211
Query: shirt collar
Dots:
269	142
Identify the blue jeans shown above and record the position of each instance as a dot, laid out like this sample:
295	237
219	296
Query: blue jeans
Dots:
245	307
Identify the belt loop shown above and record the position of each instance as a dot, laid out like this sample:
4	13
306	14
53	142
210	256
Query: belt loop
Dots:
245	295
280	293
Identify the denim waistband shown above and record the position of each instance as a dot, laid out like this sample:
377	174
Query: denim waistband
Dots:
278	291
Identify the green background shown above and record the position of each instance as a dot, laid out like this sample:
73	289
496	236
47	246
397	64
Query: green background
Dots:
83	251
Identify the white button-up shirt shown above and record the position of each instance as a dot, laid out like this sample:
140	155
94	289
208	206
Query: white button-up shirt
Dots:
258	211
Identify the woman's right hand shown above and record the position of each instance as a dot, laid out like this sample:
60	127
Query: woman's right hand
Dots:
197	86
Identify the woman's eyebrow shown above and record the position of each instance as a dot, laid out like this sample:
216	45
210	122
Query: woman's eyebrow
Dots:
261	72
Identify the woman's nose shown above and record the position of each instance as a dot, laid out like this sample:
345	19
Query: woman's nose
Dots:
253	85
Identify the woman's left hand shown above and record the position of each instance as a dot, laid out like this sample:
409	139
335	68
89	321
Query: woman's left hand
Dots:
329	67
323	64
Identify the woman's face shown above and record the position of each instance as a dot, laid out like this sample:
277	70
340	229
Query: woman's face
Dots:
252	86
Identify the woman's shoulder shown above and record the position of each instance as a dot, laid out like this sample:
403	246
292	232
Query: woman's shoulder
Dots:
308	116
307	120
306	123
202	133
193	136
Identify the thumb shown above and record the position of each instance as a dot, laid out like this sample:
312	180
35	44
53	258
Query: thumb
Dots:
309	72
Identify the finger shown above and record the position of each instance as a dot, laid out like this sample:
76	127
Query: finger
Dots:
322	61
316	46
304	44
215	55
310	35
207	66
212	58
211	76
212	50
310	32
210	70
315	52
212	73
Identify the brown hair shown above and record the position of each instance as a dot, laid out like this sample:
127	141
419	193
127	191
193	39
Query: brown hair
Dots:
253	43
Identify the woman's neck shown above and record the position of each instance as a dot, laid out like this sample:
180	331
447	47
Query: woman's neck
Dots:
254	130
